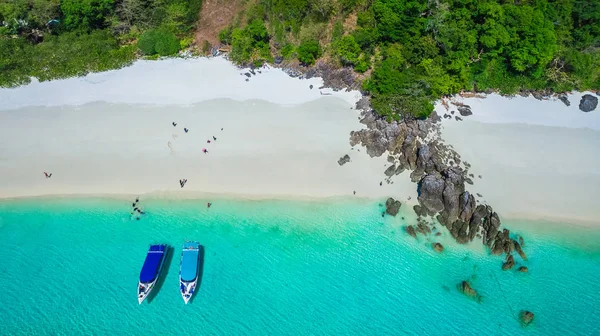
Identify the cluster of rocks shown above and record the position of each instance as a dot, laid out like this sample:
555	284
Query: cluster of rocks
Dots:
440	175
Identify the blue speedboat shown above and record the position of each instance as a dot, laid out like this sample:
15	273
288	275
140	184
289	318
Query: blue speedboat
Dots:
188	273
151	270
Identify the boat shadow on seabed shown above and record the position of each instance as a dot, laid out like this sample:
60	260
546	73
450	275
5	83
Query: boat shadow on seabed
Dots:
200	271
165	272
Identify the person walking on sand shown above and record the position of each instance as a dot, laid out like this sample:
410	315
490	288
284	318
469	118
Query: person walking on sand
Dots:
207	141
48	175
214	138
174	124
185	130
182	182
204	151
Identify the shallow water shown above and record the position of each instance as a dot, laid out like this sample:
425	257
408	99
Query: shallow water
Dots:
70	266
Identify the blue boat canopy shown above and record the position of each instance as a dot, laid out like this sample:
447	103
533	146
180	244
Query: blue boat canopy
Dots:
154	258
189	261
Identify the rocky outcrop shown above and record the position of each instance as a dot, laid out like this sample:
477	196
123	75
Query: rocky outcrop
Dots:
526	317
588	103
344	159
440	173
392	206
437	247
523	269
465	288
509	263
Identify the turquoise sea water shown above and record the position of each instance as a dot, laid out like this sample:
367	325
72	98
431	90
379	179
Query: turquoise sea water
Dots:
70	266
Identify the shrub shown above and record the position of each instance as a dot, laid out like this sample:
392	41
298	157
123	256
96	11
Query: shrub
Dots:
158	42
309	51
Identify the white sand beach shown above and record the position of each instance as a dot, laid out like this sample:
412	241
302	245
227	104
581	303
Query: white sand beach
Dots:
538	159
112	134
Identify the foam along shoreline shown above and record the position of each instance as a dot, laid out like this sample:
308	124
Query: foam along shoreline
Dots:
264	151
172	81
537	158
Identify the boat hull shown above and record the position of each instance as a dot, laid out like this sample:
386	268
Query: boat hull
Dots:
146	287
189	270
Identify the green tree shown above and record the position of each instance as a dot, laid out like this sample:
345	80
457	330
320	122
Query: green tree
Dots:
86	14
347	50
158	42
309	51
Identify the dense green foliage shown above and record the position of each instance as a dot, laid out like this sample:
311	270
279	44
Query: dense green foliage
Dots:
158	42
411	51
60	38
421	50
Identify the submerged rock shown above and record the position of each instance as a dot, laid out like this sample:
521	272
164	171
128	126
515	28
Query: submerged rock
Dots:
438	247
510	263
523	269
465	288
392	206
344	159
520	250
411	231
588	103
526	317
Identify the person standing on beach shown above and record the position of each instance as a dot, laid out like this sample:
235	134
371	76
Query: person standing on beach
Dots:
48	175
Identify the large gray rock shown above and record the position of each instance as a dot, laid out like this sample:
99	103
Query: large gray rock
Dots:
588	103
392	206
465	110
344	159
430	190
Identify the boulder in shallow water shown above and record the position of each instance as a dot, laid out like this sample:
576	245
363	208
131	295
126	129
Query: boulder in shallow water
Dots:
509	263
526	317
519	250
523	269
465	288
411	231
438	247
588	103
344	159
392	206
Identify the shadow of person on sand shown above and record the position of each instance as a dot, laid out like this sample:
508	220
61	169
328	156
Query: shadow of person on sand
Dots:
200	272
165	272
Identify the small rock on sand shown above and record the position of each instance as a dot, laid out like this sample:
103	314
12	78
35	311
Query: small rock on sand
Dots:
344	159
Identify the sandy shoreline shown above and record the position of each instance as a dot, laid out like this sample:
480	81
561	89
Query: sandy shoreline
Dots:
537	158
111	134
264	151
